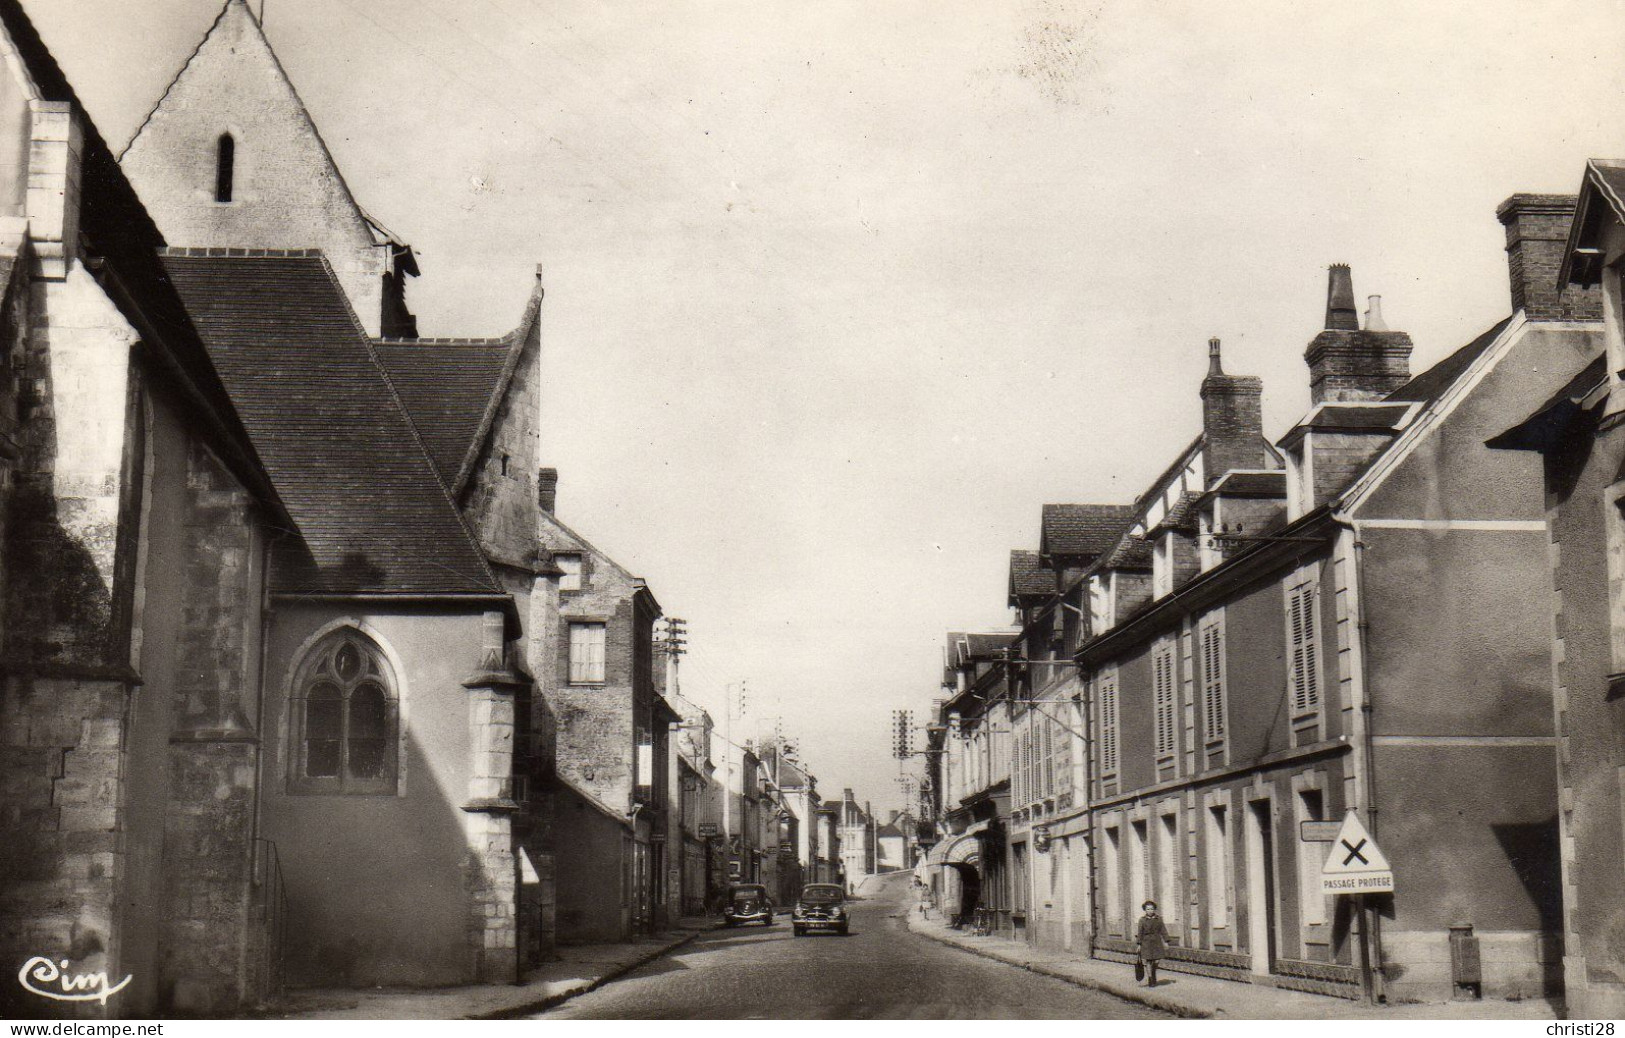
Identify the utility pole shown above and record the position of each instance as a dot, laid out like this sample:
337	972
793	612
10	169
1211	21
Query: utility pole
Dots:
728	754
673	644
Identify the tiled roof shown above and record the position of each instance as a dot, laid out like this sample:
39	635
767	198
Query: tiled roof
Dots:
356	479
1432	383
1082	529
1131	553
1028	576
1182	516
446	385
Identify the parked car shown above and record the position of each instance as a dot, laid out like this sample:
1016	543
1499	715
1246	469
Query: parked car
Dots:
747	903
821	906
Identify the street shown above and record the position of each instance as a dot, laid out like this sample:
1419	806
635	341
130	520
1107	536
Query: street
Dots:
880	971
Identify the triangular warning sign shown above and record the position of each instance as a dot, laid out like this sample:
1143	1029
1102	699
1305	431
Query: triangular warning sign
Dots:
1354	851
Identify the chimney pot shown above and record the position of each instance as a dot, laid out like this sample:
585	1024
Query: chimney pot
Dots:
1340	312
1346	363
1373	315
547	489
1232	420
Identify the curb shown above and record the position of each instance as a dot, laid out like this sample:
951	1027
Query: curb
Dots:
559	997
1142	996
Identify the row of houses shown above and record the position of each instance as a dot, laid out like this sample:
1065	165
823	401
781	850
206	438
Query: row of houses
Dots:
1407	606
303	679
746	813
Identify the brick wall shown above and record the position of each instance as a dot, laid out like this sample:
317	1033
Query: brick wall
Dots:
1537	229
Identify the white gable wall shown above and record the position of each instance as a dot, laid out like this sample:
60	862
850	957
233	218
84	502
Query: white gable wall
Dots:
286	193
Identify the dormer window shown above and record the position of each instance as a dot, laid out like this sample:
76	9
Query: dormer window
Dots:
225	162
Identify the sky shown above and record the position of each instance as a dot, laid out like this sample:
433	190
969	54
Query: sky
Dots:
840	294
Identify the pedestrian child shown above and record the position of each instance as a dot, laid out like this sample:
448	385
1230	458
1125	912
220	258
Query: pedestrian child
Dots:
1152	937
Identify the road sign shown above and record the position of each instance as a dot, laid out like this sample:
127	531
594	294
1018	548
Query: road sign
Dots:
707	829
1356	865
1319	832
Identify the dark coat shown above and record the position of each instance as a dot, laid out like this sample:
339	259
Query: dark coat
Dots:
1153	938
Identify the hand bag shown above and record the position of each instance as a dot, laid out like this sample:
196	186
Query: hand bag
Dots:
1139	969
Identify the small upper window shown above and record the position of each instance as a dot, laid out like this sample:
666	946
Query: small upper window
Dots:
224	167
345	716
569	572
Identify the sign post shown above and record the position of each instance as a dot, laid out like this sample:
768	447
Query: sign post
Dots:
1356	866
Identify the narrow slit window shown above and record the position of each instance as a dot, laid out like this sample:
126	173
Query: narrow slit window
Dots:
224	167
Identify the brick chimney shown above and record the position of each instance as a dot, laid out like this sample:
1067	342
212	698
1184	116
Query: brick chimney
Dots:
1347	362
1537	233
547	489
1232	419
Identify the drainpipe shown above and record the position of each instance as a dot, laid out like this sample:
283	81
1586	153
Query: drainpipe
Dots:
1370	919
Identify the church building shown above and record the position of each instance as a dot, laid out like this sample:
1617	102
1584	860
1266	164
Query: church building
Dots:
333	700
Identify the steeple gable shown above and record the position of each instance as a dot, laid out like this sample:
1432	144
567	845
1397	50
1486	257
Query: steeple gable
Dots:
229	158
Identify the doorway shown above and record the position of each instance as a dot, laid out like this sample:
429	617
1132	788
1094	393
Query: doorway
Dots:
1261	887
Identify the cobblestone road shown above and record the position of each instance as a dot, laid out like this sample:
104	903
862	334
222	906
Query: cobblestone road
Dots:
879	971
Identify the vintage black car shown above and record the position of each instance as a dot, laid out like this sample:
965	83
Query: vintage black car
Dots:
747	903
821	906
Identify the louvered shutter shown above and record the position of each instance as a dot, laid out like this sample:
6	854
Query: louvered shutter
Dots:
1162	671
1108	725
1213	681
1305	655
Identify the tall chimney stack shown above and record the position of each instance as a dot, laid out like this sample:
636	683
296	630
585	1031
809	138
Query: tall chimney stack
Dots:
1232	419
547	489
1347	363
1537	234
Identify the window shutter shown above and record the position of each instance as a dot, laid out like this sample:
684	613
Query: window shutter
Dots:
1108	725
1305	658
1162	671
1213	681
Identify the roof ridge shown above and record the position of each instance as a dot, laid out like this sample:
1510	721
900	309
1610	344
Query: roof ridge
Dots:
237	252
443	340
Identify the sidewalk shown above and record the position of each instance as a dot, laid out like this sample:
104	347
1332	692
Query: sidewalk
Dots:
1187	995
578	969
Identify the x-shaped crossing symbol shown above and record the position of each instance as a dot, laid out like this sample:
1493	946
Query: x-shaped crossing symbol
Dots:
1354	852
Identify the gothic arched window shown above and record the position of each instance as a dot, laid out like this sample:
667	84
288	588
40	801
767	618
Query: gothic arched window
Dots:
346	716
225	161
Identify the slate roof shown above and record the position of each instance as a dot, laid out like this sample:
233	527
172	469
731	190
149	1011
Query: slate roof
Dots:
1431	384
446	386
1251	484
369	506
1358	416
1028	575
1084	530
